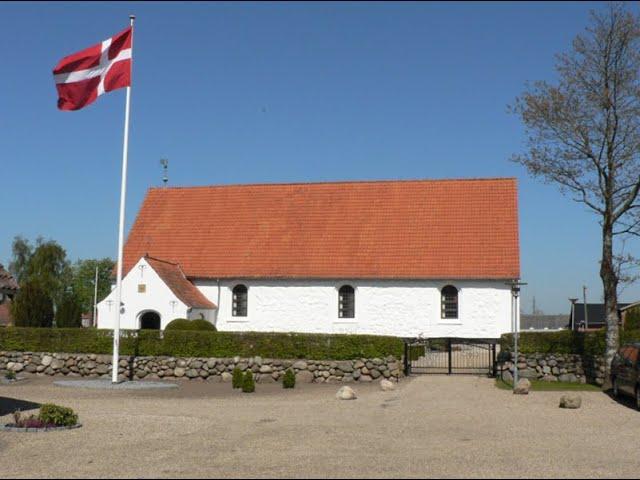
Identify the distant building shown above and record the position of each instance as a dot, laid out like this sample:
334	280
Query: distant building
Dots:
543	322
595	318
8	289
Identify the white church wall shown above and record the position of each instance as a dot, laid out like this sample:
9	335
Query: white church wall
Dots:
156	296
400	308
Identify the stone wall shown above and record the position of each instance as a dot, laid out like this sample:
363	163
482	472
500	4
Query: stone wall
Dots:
210	369
555	367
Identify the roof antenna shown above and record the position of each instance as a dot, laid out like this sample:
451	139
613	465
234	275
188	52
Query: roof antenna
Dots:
165	171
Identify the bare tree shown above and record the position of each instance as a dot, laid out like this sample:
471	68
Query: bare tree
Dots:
583	133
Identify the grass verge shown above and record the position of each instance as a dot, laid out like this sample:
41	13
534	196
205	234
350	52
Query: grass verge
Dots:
541	386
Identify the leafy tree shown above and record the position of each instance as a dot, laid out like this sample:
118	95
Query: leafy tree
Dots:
83	281
69	313
21	251
45	264
583	133
32	306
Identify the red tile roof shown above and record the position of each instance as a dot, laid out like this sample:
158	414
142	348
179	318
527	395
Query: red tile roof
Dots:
174	278
420	229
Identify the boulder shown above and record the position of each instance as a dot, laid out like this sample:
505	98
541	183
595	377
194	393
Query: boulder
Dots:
568	377
179	372
46	360
16	367
570	400
386	385
304	376
265	379
346	393
226	377
522	387
300	365
345	366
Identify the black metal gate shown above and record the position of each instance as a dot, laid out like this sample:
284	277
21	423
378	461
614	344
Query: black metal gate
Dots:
450	356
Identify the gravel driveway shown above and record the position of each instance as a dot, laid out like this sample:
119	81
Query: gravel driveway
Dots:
430	426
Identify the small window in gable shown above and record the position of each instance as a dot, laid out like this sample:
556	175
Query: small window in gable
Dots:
239	308
346	302
449	302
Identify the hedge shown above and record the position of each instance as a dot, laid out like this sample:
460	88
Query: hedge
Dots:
201	344
565	341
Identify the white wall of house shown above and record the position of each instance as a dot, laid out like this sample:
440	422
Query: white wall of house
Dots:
156	297
400	308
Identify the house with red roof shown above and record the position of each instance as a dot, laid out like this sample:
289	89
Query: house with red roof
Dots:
8	290
405	258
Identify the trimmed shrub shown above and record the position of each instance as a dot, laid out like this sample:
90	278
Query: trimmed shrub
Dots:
32	307
202	325
565	341
289	380
178	324
182	324
248	383
236	378
69	314
201	344
59	416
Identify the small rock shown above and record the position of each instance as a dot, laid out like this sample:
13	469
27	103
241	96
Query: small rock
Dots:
570	400
386	385
346	393
522	387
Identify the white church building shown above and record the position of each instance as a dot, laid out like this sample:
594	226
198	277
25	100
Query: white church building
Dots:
405	258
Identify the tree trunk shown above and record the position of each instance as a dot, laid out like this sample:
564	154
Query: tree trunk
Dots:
610	283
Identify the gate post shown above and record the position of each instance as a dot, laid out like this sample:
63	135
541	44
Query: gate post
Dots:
407	362
494	367
449	351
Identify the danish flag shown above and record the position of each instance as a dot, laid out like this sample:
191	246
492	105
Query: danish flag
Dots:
85	75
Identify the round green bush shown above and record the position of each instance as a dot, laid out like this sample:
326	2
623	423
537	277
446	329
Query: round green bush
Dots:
202	325
237	378
179	324
59	416
289	380
248	383
190	325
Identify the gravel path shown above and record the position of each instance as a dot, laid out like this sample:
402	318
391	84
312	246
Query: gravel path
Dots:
431	426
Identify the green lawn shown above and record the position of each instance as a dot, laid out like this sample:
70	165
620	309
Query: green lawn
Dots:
540	386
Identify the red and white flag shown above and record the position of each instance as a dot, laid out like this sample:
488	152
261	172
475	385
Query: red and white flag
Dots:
83	76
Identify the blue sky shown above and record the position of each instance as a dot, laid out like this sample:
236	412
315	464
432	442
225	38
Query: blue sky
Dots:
281	92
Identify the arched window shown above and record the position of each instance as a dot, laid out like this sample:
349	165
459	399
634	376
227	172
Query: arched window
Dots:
239	301
346	302
449	302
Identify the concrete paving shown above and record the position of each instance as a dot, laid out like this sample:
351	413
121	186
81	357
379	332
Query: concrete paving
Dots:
430	426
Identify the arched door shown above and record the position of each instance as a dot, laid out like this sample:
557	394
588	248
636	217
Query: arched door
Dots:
150	321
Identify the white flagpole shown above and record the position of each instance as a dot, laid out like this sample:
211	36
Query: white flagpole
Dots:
123	195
